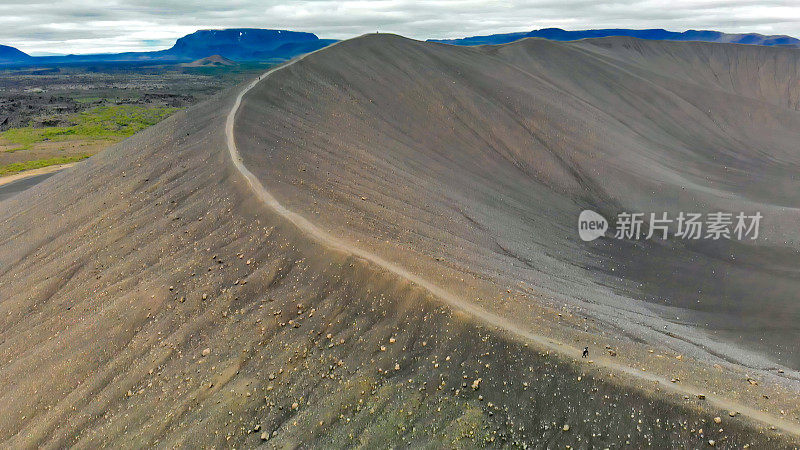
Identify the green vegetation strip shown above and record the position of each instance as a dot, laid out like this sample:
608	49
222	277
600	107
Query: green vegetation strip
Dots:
102	122
10	169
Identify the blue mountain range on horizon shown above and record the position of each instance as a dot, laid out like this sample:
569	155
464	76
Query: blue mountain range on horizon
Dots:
237	44
558	34
255	44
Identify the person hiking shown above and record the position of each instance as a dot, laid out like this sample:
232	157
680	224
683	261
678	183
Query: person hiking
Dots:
585	352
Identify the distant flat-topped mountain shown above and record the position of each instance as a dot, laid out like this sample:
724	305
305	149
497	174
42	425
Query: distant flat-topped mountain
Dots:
557	34
12	55
245	44
236	44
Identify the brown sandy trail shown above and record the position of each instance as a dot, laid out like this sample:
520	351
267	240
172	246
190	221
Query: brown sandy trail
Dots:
478	161
568	351
34	172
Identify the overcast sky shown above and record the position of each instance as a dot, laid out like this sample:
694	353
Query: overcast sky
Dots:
99	26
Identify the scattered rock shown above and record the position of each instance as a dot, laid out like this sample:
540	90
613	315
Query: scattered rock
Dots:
264	436
206	351
712	442
565	428
477	383
717	419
